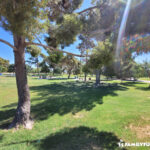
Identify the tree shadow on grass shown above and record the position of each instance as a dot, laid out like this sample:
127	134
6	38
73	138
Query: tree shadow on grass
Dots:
143	86
1	137
68	97
61	98
10	105
78	138
132	83
6	117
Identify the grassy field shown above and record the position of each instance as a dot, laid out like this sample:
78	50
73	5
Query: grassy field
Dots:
146	79
72	115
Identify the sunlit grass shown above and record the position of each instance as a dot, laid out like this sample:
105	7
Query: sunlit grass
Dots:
145	79
72	115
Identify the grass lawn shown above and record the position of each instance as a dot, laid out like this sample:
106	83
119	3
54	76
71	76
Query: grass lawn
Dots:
146	79
72	115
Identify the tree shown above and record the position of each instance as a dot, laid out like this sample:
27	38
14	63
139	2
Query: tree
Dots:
84	47
22	22
86	69
77	70
137	44
11	68
138	21
26	20
44	67
137	30
109	70
99	24
29	69
3	65
146	67
54	59
69	63
101	56
35	53
128	69
58	70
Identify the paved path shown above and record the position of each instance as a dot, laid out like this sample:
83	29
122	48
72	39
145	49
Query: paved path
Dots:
143	81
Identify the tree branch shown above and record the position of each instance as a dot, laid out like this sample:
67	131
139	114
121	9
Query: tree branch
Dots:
91	8
100	31
38	39
88	9
52	48
7	43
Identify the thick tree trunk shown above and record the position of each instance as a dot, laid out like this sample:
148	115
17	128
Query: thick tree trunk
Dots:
97	77
22	116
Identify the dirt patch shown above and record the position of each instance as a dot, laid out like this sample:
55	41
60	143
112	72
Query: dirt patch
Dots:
145	118
78	116
141	131
54	129
96	148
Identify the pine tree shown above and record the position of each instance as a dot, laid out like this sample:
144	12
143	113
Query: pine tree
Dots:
23	23
26	21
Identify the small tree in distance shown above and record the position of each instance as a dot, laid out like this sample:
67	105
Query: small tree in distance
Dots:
86	69
69	63
3	65
54	60
101	56
11	68
35	52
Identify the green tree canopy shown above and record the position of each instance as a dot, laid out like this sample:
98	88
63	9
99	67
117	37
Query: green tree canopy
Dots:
35	51
11	68
101	56
70	63
3	65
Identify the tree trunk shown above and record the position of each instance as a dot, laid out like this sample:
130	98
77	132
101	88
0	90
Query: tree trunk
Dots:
97	77
85	75
38	70
69	76
53	71
22	116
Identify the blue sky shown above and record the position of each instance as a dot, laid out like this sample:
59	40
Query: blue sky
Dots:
143	57
7	53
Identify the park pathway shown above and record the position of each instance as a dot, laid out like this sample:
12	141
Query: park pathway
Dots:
143	81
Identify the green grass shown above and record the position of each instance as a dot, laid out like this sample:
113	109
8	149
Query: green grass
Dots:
73	115
146	79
